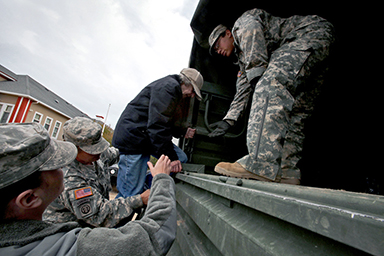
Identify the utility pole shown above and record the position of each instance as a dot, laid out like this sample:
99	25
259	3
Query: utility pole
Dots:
106	116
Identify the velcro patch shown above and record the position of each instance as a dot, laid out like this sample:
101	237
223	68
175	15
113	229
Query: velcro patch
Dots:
239	74
84	208
83	192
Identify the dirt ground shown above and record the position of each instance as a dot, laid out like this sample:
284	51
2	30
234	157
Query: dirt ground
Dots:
112	195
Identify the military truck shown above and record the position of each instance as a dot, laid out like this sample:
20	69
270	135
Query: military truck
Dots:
337	210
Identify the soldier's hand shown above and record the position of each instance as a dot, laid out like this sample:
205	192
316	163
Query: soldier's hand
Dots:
145	196
163	165
221	128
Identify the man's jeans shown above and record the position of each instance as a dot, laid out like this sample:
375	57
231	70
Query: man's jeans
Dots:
132	176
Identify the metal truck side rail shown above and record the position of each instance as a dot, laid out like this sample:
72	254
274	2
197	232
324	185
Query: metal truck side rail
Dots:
219	215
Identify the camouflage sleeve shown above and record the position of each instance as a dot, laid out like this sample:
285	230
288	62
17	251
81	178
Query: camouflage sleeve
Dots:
88	205
249	37
253	60
110	156
241	98
151	235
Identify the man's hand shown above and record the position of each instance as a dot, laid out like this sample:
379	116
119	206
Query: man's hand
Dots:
190	133
176	166
163	165
221	128
145	196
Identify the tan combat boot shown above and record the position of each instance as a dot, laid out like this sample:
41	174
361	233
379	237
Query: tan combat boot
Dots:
237	171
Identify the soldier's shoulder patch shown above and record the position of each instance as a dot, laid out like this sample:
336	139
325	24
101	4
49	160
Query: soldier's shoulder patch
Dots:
84	208
83	192
239	74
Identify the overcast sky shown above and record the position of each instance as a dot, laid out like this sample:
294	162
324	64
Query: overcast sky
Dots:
94	53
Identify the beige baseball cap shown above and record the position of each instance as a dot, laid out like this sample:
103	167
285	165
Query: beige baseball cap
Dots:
196	78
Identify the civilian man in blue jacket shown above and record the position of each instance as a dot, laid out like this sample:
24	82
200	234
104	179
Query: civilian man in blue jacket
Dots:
146	128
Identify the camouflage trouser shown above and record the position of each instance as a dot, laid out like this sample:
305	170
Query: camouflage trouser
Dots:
283	99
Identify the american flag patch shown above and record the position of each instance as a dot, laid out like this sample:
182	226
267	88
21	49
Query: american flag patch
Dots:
239	74
83	192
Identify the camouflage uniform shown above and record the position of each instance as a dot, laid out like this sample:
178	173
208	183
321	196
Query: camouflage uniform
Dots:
287	55
86	198
27	149
86	194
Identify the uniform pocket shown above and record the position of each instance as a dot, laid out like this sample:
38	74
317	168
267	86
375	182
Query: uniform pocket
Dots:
286	65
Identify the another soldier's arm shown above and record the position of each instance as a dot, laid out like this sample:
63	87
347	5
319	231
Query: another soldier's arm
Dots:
89	206
249	36
110	157
239	103
152	235
236	109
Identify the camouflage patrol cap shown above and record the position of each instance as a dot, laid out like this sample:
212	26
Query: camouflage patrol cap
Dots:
26	148
214	36
86	134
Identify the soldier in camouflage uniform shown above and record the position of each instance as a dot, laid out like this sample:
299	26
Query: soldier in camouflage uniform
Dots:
87	181
31	178
282	63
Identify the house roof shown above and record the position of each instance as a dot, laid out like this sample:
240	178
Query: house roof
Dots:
7	74
27	87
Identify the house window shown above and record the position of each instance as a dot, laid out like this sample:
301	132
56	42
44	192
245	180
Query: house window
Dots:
48	122
5	112
37	118
56	129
